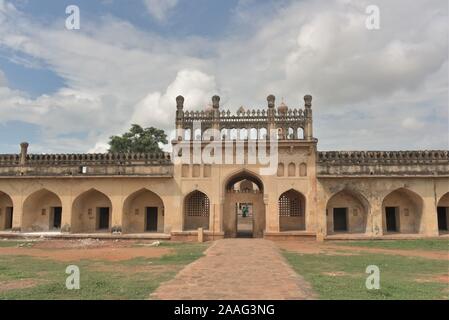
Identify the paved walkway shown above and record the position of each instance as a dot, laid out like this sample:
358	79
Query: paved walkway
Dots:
237	269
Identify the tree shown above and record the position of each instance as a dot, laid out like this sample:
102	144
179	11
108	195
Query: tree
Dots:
138	140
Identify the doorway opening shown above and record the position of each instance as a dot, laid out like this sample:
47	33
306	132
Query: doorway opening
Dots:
442	218
391	215
103	218
244	206
244	213
151	219
55	217
340	219
8	218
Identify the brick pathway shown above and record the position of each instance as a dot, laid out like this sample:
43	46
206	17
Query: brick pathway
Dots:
237	269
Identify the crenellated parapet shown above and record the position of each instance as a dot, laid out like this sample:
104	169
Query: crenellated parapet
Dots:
426	162
85	164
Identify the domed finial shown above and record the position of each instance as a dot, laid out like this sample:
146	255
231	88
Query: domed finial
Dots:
216	102
282	107
179	102
308	101
270	100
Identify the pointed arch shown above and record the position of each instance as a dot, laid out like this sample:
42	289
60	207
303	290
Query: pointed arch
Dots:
291	169
243	208
292	208
347	211
6	211
402	211
42	211
243	175
196	211
143	211
280	172
91	212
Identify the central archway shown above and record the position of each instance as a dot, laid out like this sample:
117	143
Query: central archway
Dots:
244	207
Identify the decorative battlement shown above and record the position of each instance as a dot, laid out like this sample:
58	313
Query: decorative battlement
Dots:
343	163
383	157
88	164
288	122
87	159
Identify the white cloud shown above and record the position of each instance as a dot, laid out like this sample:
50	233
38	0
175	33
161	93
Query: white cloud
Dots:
368	86
160	8
412	123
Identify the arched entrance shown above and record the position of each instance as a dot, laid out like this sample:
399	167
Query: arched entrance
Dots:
292	208
196	211
91	212
443	214
401	210
347	212
6	211
42	211
143	211
244	207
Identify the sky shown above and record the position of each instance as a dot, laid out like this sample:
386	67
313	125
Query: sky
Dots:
68	91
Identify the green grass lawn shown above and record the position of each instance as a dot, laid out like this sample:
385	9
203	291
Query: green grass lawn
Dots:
420	244
343	276
129	279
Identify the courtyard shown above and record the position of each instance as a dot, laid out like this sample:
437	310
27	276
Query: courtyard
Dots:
224	269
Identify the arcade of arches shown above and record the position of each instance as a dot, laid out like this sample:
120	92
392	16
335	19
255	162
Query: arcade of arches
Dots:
244	211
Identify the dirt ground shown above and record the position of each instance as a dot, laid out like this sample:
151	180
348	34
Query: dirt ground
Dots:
312	247
90	249
17	284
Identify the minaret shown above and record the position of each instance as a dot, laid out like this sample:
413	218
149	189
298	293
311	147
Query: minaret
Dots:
179	117
308	129
270	115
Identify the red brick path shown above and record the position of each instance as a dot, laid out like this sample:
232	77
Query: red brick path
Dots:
237	269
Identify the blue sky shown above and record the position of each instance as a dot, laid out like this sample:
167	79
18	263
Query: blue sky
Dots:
69	90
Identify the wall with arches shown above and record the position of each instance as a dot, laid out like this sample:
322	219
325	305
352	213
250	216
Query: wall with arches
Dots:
414	197
135	215
38	210
356	211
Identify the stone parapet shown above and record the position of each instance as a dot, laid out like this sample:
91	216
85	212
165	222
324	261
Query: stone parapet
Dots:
86	164
427	162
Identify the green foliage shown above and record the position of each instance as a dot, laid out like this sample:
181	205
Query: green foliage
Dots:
138	140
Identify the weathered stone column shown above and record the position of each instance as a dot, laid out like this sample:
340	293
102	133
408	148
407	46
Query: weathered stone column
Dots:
429	217
271	214
66	219
17	202
117	213
375	217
